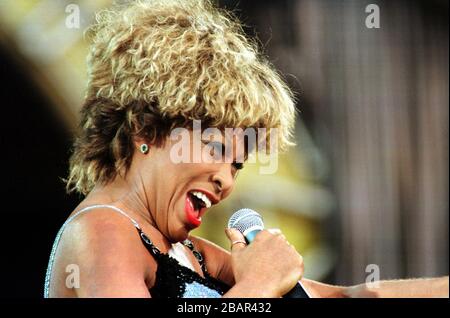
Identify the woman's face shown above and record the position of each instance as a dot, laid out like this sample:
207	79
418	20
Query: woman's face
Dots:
179	194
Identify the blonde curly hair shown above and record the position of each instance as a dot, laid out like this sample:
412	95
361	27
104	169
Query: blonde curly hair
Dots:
158	64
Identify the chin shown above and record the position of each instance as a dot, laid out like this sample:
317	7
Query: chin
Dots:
179	235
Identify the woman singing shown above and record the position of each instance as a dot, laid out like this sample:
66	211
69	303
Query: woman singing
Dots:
156	66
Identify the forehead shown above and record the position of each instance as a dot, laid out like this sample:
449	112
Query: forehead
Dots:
215	134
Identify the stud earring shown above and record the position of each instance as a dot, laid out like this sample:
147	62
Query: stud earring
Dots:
144	149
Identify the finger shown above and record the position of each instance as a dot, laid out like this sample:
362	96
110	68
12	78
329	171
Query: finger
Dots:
275	231
278	234
236	238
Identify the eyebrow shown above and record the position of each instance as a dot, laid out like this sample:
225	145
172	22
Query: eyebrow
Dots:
237	165
215	142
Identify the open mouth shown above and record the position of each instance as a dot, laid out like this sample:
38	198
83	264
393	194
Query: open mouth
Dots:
195	206
199	199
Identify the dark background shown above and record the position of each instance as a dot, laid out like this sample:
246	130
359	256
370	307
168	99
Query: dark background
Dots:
35	150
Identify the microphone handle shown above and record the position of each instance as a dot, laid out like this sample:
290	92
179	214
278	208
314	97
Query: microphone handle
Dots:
298	291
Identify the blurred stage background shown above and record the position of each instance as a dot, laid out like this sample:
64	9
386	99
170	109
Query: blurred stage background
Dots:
367	182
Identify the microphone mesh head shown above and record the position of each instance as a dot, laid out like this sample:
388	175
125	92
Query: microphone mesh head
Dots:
245	219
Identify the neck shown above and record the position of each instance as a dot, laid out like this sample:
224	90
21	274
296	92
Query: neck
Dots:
130	197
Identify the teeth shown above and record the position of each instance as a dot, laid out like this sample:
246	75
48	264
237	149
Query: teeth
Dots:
202	197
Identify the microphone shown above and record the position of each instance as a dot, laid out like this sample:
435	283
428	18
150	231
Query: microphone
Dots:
249	223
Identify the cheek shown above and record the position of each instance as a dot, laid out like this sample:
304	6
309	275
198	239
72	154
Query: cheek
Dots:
227	193
192	171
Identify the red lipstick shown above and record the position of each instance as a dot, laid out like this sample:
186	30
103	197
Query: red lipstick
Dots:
192	215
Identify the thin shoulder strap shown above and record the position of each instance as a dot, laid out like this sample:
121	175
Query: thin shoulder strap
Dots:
61	230
107	206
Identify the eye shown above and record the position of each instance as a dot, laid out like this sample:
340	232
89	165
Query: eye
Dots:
238	165
216	149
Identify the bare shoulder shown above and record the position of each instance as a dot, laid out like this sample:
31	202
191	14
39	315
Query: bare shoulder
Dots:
107	250
217	259
103	229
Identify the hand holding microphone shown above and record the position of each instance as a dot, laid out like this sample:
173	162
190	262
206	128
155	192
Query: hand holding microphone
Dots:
269	263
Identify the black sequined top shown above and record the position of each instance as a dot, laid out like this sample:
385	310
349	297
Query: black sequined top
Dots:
174	280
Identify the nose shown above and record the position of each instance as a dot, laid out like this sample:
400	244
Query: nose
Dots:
223	180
